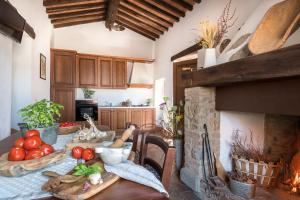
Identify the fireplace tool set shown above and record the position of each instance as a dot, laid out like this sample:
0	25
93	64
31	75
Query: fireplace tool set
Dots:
214	187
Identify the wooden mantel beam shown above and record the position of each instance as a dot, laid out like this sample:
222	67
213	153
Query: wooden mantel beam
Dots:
112	12
278	64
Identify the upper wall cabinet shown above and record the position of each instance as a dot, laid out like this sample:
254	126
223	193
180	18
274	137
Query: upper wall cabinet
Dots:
105	72
71	69
63	68
119	74
87	70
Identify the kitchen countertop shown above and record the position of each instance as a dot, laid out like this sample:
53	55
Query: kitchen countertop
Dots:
110	107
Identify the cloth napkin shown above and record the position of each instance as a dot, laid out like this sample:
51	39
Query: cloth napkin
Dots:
136	173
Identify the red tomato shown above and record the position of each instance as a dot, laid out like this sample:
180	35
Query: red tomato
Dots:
88	154
32	142
32	133
19	142
33	154
47	149
16	154
77	152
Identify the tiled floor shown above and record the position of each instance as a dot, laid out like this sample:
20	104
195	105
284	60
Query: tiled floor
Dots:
179	191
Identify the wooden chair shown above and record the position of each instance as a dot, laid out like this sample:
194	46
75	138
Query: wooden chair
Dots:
138	139
164	171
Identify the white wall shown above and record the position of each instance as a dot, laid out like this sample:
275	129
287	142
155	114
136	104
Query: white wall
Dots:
116	96
184	33
95	38
5	86
245	123
27	85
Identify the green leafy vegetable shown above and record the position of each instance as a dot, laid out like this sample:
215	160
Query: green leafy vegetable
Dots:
83	170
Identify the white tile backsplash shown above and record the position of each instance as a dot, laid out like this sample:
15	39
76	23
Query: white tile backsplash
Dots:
116	96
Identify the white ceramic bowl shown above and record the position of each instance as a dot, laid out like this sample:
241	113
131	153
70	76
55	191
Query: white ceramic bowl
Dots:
113	156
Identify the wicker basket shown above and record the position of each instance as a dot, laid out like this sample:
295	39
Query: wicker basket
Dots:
266	174
68	130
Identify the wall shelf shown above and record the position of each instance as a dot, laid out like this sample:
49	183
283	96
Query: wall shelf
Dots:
139	85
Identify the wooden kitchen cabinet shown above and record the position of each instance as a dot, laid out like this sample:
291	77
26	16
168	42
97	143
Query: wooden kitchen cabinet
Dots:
87	70
148	118
105	71
63	68
119	119
104	117
66	97
142	117
135	116
119	74
116	118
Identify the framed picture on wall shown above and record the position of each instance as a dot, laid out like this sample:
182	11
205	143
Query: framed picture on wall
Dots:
42	67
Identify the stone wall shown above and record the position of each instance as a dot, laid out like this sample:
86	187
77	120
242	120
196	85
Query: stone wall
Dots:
199	110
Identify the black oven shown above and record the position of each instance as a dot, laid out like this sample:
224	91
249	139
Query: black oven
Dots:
89	107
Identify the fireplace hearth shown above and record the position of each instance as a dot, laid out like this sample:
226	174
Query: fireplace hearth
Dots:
278	138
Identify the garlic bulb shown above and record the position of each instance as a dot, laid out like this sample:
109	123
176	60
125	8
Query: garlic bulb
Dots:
95	178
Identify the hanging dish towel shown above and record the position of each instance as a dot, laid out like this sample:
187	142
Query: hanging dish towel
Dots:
136	173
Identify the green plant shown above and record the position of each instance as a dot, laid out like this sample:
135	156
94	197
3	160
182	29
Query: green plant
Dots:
172	119
87	93
41	114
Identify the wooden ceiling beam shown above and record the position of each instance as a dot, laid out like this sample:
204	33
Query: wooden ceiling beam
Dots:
56	21
138	23
67	3
78	19
154	10
192	2
141	18
146	14
166	7
79	14
179	4
73	12
78	22
112	12
74	8
125	21
136	30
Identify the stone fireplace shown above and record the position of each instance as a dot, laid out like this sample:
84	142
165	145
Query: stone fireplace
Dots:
277	135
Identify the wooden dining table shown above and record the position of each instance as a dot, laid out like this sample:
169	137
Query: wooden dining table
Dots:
122	189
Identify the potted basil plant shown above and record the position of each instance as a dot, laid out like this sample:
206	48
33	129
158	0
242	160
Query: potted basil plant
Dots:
42	116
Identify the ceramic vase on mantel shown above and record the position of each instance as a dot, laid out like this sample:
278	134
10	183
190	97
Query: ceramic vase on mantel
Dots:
210	58
206	58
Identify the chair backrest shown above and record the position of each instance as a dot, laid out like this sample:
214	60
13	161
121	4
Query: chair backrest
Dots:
164	171
138	139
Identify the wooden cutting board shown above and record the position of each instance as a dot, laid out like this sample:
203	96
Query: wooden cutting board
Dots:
19	168
75	190
91	143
